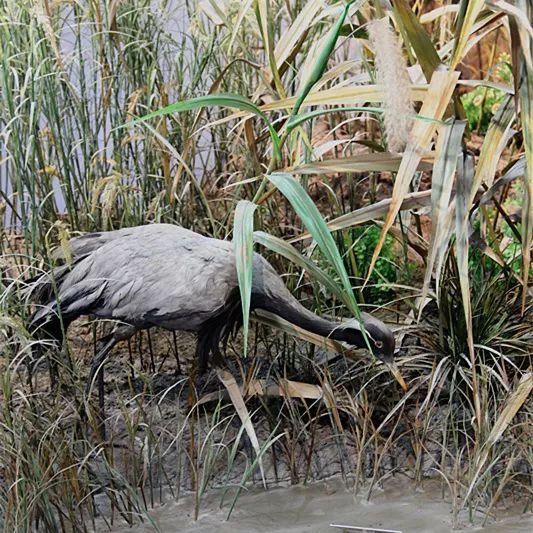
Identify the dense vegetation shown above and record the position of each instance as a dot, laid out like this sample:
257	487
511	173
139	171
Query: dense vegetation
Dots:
406	128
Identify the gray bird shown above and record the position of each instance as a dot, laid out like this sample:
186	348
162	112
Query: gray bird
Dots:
167	276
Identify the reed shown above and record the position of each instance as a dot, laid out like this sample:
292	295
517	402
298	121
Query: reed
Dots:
268	123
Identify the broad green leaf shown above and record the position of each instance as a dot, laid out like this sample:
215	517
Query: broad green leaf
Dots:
414	200
233	101
332	96
417	37
189	141
296	120
315	224
243	246
322	61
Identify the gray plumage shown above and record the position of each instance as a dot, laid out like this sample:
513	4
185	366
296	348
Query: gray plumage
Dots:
167	276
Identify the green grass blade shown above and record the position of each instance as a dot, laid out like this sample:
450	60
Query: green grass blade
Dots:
281	247
368	213
297	120
317	227
263	13
323	57
233	101
243	245
468	12
418	38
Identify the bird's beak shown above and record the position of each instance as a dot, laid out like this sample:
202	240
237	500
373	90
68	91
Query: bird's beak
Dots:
395	371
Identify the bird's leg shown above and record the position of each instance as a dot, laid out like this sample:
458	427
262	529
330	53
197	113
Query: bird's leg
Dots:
151	351
105	345
176	354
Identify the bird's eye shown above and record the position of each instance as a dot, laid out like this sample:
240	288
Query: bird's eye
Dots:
379	344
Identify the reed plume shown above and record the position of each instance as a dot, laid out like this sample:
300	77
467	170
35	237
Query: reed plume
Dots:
391	73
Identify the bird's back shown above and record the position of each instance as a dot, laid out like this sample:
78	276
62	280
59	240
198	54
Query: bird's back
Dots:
159	274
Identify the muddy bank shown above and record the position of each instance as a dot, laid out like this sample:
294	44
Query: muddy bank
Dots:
313	508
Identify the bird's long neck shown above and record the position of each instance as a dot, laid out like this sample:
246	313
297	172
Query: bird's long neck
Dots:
292	311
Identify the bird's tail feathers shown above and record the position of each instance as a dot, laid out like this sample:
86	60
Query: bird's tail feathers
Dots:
42	288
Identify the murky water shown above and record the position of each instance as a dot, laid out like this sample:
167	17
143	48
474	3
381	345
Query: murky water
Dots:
400	507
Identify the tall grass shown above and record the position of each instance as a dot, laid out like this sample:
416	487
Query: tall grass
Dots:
275	103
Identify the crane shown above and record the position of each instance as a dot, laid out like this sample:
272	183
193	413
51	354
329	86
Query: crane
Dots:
171	277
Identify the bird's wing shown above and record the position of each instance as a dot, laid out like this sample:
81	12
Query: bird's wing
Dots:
42	287
86	244
152	275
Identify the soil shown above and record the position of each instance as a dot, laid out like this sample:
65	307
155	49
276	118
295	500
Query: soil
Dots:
290	504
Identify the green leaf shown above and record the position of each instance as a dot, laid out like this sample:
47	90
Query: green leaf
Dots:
372	212
317	227
233	101
296	120
263	13
418	38
468	12
323	57
243	246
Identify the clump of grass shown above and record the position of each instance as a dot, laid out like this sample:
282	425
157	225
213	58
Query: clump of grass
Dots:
69	163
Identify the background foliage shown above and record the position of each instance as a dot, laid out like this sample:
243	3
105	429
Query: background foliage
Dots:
129	112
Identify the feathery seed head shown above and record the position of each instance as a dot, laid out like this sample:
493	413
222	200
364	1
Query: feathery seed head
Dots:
392	75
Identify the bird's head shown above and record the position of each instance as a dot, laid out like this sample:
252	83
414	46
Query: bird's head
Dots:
379	336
